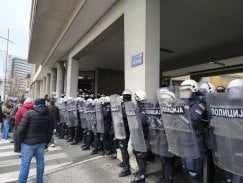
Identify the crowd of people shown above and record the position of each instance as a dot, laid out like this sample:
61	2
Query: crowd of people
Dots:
193	124
32	123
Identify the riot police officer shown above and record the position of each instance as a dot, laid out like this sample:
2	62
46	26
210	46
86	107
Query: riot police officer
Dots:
140	97
89	116
121	129
189	93
205	89
226	120
97	123
137	122
167	158
72	121
107	138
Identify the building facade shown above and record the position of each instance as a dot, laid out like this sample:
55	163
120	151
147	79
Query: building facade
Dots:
5	80
18	72
20	75
132	44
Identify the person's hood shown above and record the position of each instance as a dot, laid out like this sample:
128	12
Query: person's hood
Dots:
28	100
28	105
42	109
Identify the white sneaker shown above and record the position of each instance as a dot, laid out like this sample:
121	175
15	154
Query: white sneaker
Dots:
52	145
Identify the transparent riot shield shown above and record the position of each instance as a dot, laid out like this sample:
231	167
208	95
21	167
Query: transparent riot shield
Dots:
157	138
81	107
72	113
227	134
117	117
180	133
135	127
62	108
91	117
65	114
99	117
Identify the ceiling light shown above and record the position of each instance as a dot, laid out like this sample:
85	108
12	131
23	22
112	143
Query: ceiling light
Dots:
217	63
166	50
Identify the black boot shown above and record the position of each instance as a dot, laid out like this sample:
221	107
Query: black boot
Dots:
125	172
95	151
84	139
161	180
74	142
88	141
126	165
96	143
141	174
167	171
86	148
194	178
70	140
138	179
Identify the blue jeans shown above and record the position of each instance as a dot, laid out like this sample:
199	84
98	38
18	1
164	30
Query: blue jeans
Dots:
5	129
27	152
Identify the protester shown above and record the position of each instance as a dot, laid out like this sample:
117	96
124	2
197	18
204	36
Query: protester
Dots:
6	108
34	133
24	106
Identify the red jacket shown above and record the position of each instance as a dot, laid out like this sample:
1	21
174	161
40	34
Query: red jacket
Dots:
21	111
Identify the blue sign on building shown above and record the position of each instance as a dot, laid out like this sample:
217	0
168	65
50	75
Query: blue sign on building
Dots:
137	59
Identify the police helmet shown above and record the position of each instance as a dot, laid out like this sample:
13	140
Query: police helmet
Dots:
207	88
235	89
140	95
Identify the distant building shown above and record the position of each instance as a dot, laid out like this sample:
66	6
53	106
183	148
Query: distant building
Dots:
4	69
19	76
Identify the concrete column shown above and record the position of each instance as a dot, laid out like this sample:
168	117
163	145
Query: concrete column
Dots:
44	87
65	78
48	82
53	80
142	40
72	77
37	90
60	79
41	89
32	91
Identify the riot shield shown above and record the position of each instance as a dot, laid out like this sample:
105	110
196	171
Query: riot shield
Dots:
81	107
62	108
117	118
87	116
72	113
180	133
227	133
91	118
99	117
135	126
157	138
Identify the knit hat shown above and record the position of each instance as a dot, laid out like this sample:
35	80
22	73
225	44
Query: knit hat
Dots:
40	101
28	100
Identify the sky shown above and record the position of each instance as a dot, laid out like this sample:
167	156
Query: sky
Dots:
15	16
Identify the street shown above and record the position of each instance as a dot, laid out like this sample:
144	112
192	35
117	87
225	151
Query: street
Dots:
66	163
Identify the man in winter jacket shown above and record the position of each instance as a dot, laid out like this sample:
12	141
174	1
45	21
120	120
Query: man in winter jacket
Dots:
34	133
24	106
